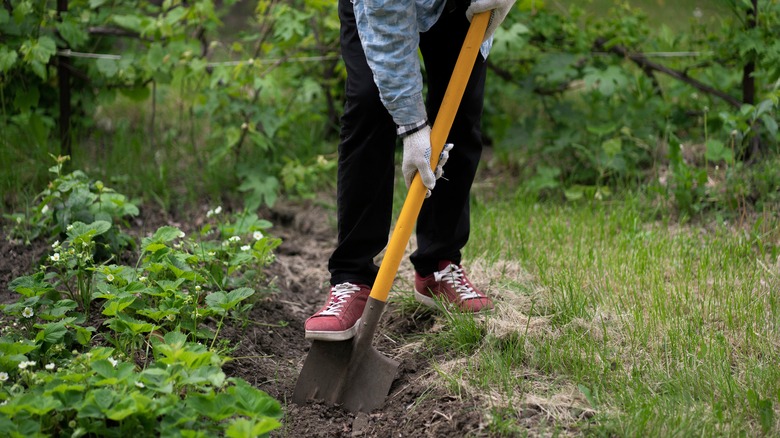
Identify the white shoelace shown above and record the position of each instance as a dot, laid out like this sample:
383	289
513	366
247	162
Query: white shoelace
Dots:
340	295
453	275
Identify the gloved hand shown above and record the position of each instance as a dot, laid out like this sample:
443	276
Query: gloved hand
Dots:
417	157
499	8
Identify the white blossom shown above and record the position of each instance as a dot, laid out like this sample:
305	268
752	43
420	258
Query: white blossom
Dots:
55	257
140	384
50	366
28	312
55	244
245	248
257	235
142	279
44	209
234	239
181	234
109	278
113	361
3	376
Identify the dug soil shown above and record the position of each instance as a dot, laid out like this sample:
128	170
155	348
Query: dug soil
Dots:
269	350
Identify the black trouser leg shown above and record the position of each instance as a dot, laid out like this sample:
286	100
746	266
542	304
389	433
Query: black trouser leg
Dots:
443	224
366	166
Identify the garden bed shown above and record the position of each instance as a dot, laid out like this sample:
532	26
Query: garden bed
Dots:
269	350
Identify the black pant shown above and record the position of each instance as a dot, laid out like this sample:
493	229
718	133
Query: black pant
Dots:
366	165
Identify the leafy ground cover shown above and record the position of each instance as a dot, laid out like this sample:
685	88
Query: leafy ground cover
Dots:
609	321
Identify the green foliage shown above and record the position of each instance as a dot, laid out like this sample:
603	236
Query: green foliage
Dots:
183	392
71	199
164	302
596	110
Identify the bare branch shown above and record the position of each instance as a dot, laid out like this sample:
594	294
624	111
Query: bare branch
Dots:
646	65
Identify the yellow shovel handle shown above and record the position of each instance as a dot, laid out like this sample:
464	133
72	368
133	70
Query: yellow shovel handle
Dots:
439	132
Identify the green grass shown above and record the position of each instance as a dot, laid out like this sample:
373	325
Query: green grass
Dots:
613	323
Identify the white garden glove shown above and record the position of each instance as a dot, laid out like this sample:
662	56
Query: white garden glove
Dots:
500	10
417	157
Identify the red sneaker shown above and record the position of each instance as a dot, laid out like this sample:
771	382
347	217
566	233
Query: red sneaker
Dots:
450	284
339	318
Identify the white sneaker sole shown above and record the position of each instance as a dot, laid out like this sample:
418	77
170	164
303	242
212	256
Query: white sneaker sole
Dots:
424	299
320	335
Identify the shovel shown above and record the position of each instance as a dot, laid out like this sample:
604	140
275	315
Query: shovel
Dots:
352	372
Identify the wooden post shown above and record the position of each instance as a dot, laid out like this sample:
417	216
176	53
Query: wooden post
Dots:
63	81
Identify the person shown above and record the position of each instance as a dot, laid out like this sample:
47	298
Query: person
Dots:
384	100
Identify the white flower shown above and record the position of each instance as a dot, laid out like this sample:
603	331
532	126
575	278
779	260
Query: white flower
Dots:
225	243
181	234
218	210
44	209
212	253
209	213
257	235
25	364
69	227
28	312
140	384
245	248
234	239
170	317
113	361
142	279
18	219
55	244
109	278
50	366
177	245
3	377
244	126
55	257
197	288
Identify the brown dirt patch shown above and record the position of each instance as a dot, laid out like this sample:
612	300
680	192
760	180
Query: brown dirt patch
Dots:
270	350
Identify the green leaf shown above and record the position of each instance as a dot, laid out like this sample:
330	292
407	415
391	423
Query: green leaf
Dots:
83	335
94	4
7	58
131	22
26	99
107	67
81	232
155	56
114	306
717	151
123	409
51	333
770	124
38	404
43	49
167	234
72	33
104	368
253	402
612	147
243	428
137	94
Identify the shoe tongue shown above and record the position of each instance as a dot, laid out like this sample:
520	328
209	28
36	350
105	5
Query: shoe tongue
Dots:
443	264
